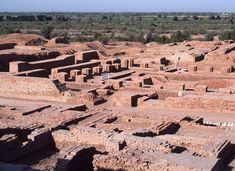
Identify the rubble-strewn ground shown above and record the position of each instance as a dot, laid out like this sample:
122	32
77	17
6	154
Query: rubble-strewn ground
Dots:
121	106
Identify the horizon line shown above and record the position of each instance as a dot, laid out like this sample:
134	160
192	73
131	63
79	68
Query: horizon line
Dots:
117	12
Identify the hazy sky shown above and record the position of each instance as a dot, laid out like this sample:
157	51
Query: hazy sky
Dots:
117	5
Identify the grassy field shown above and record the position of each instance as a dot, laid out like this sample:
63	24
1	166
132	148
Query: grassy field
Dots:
142	27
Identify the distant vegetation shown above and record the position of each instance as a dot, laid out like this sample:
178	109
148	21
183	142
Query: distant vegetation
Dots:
46	31
105	27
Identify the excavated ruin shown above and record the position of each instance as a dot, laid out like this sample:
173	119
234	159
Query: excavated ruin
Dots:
121	106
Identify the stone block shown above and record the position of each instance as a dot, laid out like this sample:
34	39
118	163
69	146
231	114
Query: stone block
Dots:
201	88
87	71
97	70
192	68
81	79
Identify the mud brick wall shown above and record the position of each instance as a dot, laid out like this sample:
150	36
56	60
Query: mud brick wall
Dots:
34	73
123	98
88	136
44	64
163	94
7	46
77	67
196	102
146	143
87	56
28	88
16	149
5	59
222	148
38	48
190	77
216	83
174	86
128	161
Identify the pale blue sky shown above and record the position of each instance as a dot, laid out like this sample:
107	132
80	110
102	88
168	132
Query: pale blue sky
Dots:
117	5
